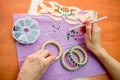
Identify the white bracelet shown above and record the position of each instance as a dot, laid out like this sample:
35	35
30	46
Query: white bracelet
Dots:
56	44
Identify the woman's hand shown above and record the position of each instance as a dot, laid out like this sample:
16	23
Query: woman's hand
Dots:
93	43
35	65
92	37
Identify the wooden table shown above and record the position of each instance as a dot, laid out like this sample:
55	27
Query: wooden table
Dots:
110	31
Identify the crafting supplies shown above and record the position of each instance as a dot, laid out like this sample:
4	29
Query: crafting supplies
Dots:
93	66
73	34
50	15
73	60
56	44
65	64
26	30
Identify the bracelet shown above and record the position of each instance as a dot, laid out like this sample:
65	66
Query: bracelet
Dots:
56	44
73	60
68	67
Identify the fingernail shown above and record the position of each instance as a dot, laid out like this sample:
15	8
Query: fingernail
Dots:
83	29
87	22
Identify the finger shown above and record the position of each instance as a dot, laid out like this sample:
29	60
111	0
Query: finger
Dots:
86	38
49	60
88	30
95	31
95	28
32	57
36	54
46	53
83	29
39	51
87	21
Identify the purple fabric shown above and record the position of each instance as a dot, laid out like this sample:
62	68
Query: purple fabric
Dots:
56	70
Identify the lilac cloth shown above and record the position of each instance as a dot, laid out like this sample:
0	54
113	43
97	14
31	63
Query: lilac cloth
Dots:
56	70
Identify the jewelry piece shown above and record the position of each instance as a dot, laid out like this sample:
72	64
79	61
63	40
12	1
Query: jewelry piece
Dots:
56	44
68	67
26	30
84	53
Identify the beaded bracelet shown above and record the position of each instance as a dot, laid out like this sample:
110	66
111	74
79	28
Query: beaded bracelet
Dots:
68	67
56	44
84	53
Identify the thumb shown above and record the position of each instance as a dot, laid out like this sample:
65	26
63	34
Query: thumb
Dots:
86	37
88	30
50	59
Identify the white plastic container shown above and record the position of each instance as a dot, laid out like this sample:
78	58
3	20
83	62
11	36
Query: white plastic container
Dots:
26	30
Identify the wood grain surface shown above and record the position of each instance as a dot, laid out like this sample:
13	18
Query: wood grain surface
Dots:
110	37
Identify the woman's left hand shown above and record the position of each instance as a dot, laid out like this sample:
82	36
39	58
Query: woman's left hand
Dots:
35	65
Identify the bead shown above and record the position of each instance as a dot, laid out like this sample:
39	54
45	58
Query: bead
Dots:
69	56
79	65
73	61
76	64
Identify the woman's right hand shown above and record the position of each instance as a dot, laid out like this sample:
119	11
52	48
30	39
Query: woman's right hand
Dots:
92	37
